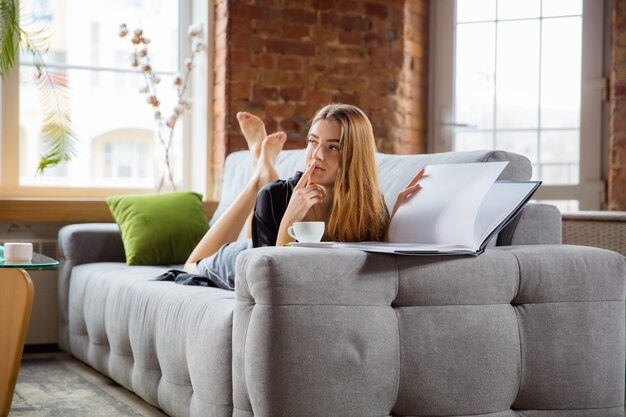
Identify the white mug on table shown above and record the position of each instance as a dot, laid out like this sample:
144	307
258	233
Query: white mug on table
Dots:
18	251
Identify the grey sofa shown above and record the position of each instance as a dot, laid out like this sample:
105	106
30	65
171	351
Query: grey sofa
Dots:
535	329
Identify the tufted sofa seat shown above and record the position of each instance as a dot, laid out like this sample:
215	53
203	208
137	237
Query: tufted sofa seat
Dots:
533	330
170	344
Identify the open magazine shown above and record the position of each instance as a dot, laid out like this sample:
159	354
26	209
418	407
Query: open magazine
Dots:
458	210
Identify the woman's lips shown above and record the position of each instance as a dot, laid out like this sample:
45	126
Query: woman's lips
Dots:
319	169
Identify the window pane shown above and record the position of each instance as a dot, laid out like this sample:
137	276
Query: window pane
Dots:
113	122
516	9
537	80
517	80
561	72
475	74
559	173
475	10
85	33
561	7
471	141
560	146
523	143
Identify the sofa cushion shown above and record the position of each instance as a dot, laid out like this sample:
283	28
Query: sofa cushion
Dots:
395	171
170	344
159	229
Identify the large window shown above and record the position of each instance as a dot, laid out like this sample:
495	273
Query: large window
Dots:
523	77
112	121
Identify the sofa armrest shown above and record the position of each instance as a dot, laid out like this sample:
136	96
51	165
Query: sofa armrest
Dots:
91	242
344	332
292	301
537	224
80	244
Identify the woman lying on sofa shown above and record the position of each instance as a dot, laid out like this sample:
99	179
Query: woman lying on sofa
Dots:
339	187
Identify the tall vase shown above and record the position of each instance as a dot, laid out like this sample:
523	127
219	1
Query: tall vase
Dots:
163	167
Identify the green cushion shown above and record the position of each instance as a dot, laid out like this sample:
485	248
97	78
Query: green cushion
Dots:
159	229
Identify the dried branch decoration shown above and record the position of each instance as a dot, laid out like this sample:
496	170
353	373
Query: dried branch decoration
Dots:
165	125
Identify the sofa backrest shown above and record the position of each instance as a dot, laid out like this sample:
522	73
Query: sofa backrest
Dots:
395	171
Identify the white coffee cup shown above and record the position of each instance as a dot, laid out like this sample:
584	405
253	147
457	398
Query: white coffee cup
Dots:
18	251
307	232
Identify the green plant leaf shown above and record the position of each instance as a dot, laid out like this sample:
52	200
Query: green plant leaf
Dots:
56	131
9	35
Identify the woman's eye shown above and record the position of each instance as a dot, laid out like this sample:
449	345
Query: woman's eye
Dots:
310	141
333	148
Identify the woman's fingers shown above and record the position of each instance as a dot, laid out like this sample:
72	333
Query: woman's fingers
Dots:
314	192
316	188
412	187
305	195
416	178
409	192
304	180
309	196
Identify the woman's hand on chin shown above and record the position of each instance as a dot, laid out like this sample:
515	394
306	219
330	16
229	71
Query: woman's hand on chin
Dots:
305	195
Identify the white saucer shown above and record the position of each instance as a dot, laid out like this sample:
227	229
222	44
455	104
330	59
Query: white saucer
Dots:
312	244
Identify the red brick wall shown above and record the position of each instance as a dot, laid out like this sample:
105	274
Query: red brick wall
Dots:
220	107
283	60
617	113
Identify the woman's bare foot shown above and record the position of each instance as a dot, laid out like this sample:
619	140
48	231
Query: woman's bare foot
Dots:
270	148
253	130
272	145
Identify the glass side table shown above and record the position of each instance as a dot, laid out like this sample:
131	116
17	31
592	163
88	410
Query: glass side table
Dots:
16	302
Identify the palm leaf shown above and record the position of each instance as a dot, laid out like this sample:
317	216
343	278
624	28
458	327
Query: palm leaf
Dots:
56	131
32	38
9	35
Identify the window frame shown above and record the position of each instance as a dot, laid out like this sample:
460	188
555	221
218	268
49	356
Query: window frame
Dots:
195	127
590	191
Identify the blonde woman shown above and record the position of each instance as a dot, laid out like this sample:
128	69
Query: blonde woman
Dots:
339	187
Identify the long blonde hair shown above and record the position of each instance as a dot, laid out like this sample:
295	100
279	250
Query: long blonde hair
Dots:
358	211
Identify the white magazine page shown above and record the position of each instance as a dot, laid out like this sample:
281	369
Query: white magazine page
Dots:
384	247
444	211
497	205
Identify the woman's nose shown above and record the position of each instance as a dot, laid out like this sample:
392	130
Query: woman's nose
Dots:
318	153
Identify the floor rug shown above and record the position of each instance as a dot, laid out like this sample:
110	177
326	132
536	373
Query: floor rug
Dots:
48	387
